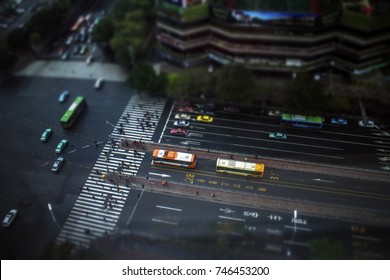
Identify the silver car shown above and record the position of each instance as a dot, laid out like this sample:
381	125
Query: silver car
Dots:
57	164
9	218
181	123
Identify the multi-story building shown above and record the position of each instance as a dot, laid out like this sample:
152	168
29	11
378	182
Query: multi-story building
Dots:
283	36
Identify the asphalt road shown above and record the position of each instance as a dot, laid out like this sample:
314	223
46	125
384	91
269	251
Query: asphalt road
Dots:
28	106
245	133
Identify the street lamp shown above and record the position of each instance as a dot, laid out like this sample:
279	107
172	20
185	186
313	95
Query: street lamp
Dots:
52	214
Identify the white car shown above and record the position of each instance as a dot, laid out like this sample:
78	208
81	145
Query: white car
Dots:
369	124
9	218
181	123
182	117
99	83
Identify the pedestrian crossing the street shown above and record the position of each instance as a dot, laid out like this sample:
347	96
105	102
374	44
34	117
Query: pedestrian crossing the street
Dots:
100	203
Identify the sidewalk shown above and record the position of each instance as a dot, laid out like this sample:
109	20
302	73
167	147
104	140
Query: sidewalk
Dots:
75	69
241	198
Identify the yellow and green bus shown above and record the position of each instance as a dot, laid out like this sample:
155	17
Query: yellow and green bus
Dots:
240	168
302	121
73	112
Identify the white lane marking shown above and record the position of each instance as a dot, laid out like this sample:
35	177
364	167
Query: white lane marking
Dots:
164	222
321	180
86	146
231	218
300	228
166	123
169	208
158	174
44	164
72	151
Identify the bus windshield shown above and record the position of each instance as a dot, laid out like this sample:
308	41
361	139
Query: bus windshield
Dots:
240	168
302	121
187	160
73	112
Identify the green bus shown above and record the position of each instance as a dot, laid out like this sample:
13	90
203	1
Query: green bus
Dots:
302	121
73	112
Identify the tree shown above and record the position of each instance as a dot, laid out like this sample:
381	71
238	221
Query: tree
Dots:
103	31
7	58
143	78
306	96
35	41
189	84
235	84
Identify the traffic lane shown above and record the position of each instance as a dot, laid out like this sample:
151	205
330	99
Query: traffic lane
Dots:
274	233
258	146
284	183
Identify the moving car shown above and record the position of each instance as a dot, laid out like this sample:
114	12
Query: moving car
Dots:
181	123
63	96
179	132
338	121
277	135
369	124
9	218
99	83
57	164
204	118
61	146
46	134
182	117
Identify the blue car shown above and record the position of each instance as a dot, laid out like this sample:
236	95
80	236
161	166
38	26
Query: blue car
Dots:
339	121
63	96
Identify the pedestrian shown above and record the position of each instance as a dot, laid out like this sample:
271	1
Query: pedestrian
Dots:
212	195
197	193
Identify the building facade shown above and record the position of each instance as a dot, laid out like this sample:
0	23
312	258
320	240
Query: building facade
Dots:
276	36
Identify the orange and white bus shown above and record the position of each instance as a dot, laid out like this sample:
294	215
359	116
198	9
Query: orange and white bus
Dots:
240	168
187	160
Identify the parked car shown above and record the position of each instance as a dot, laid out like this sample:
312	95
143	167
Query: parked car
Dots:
61	146
89	59
186	109
57	164
181	123
65	55
46	134
63	96
182	116
369	124
277	135
179	132
83	50
99	83
339	121
9	218
69	41
204	118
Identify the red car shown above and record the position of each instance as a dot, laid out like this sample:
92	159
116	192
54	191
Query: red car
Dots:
186	109
179	132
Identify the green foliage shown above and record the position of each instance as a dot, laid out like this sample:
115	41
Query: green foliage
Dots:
7	58
103	31
235	84
306	96
324	249
189	84
143	78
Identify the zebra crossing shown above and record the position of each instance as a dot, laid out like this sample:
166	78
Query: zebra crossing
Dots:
100	203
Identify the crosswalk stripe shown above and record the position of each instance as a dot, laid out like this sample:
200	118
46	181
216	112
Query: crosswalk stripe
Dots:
90	211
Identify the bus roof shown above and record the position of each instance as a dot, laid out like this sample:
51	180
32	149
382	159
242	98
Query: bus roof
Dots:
294	117
243	165
71	109
173	155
